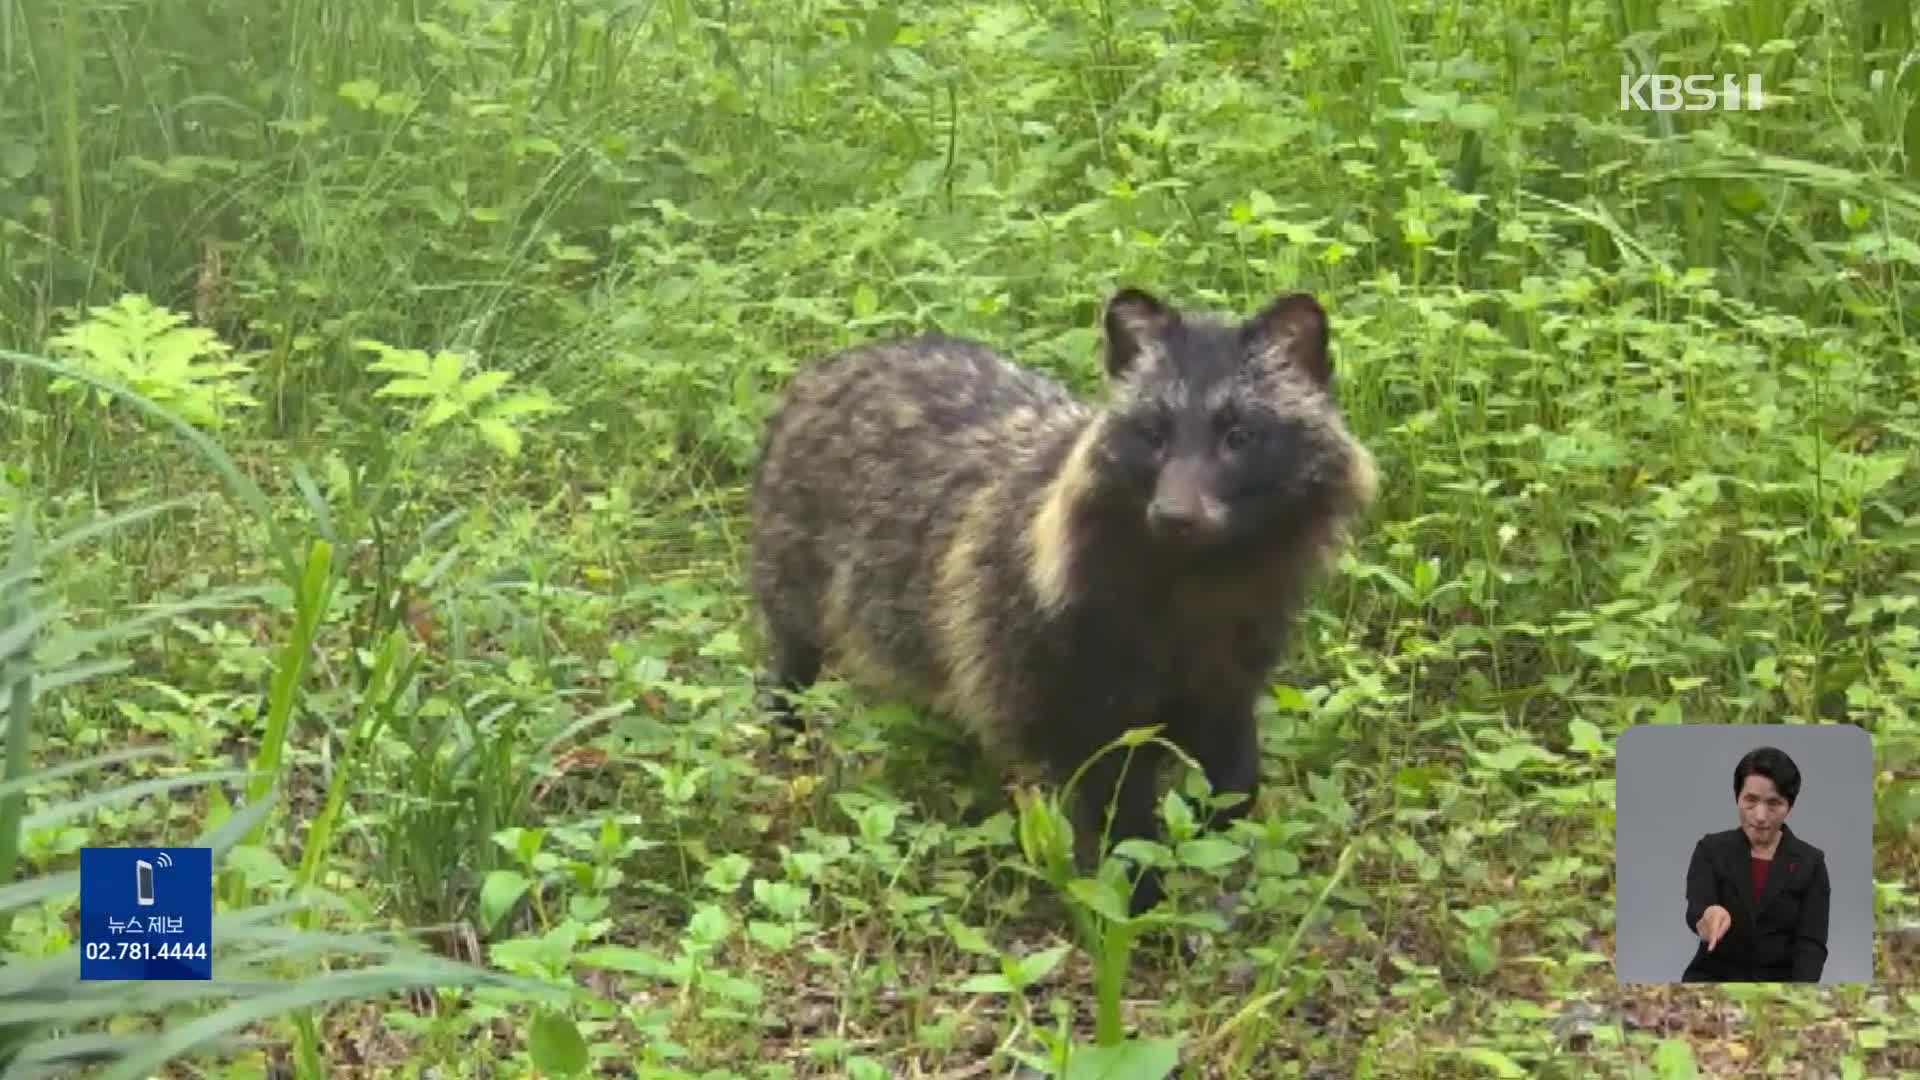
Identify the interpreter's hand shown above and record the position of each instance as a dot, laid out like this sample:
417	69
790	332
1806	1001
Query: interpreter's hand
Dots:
1713	925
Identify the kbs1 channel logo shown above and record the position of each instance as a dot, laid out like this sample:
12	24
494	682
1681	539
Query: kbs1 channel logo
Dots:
1648	92
146	913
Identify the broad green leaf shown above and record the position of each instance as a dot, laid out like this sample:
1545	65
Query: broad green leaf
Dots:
1586	737
498	435
624	958
483	386
1211	852
1135	1059
986	984
501	890
1036	966
556	1046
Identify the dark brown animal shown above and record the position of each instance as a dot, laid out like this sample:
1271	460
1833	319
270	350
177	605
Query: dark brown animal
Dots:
940	523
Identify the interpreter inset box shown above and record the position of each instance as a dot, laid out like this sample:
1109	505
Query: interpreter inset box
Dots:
1743	853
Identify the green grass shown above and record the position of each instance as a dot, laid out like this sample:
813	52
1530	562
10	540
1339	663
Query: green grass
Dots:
485	304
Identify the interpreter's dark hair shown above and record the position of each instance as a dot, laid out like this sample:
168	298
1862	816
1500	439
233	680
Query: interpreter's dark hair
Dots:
1772	763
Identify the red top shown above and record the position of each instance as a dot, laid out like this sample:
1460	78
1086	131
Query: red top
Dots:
1760	867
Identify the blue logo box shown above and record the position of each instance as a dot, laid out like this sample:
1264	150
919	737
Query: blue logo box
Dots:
146	913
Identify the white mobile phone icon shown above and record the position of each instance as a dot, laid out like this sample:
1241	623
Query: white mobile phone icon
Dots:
143	884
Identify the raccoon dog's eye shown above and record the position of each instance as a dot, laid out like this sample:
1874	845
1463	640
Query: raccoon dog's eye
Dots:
1238	437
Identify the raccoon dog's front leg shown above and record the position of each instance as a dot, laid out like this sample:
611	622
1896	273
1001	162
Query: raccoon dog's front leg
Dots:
795	666
1225	740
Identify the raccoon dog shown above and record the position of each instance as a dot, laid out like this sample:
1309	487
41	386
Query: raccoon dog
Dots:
937	522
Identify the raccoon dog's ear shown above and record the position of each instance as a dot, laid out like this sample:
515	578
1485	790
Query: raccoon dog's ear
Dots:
1137	324
1290	332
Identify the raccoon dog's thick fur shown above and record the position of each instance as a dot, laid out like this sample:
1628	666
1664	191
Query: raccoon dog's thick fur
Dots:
937	522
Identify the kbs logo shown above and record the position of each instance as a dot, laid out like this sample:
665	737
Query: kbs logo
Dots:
1692	93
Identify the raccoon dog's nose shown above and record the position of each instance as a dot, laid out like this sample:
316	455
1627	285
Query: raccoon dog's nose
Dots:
1173	519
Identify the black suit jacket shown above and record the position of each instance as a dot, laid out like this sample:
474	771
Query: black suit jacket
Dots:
1778	936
